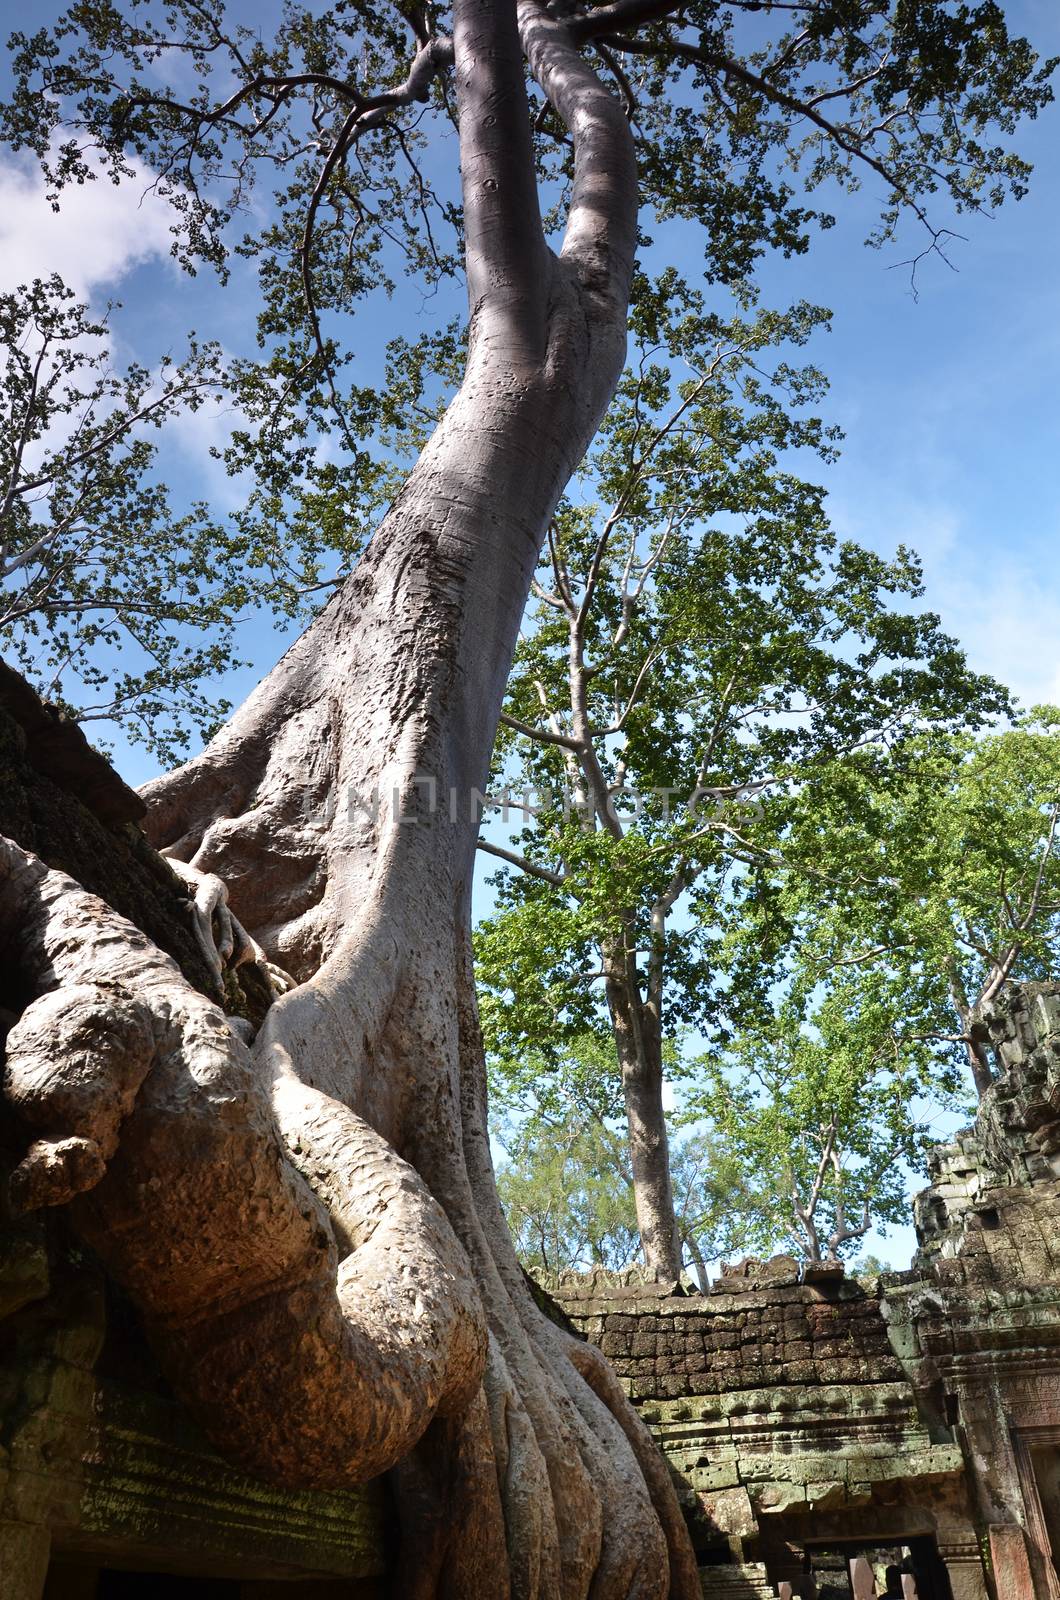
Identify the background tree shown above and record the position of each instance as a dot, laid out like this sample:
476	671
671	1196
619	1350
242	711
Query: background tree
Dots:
830	1108
907	894
567	1203
701	642
867	1268
94	565
323	1264
939	880
565	1180
112	602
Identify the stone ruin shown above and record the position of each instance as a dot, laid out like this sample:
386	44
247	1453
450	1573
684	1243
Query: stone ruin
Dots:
824	1435
822	1431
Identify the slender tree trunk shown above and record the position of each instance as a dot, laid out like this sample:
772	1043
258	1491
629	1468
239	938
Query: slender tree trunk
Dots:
979	1065
804	1217
638	1043
975	1052
702	1276
310	1225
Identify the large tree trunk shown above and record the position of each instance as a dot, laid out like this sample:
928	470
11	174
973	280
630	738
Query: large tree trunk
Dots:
310	1225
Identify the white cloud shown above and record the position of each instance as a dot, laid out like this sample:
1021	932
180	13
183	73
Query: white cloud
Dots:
100	235
101	232
1007	617
994	597
194	434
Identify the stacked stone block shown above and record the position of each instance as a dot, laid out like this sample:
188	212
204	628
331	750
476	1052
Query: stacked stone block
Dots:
992	1213
766	1331
777	1394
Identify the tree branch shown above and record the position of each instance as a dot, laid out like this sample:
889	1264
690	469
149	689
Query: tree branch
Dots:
540	735
601	233
507	259
621	14
531	868
698	55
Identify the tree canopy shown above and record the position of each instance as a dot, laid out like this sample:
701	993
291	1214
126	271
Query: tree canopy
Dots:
702	645
750	118
936	880
318	154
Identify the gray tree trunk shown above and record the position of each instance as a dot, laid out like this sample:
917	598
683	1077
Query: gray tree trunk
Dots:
309	1224
638	1043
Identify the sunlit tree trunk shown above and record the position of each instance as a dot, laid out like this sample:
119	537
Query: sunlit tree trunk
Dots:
638	1043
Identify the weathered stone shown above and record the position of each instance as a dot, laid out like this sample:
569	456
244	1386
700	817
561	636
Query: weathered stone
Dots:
24	1552
776	1272
57	748
822	1271
1013	1579
729	1511
776	1497
24	1275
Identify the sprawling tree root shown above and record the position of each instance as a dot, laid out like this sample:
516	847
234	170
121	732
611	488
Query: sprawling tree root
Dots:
558	1469
303	1290
384	1022
316	1341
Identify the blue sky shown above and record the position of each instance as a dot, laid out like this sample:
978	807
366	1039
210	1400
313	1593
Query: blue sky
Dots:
948	400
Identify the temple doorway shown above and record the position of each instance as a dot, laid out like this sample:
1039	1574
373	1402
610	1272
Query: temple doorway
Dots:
845	1569
1045	1463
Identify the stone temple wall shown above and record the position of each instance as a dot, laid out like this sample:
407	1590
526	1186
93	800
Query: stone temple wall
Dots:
759	1327
809	1420
784	1413
104	1475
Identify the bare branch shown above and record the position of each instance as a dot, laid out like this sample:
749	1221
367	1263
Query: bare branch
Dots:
540	735
531	868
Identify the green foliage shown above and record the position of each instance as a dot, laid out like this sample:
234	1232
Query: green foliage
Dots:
564	1178
727	648
911	885
936	875
701	632
744	124
103	588
113	601
867	1268
741	123
724	1209
565	1202
831	1108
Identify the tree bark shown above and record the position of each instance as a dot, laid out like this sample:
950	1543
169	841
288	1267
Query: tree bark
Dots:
638	1042
975	1051
310	1225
